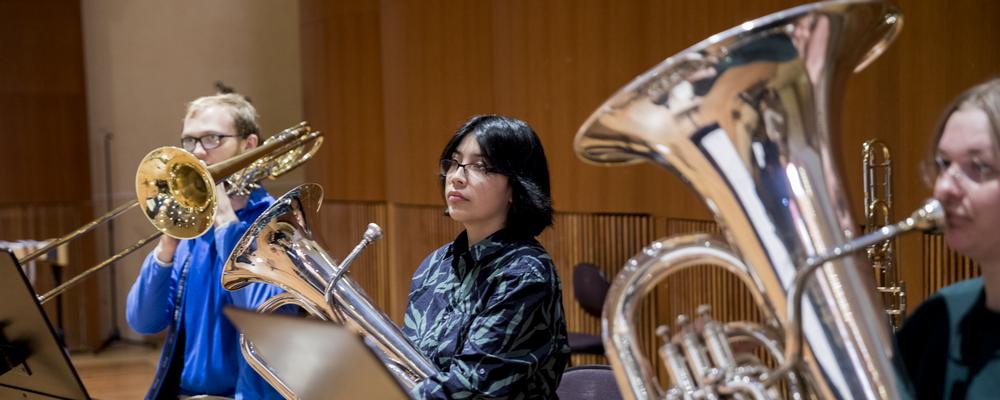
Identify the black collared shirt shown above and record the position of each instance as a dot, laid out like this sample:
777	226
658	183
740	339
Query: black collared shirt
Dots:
490	317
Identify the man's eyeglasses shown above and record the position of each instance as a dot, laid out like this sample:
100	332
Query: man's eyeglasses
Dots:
208	142
972	170
478	168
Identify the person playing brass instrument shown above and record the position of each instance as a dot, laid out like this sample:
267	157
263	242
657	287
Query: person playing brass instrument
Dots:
178	287
487	308
951	343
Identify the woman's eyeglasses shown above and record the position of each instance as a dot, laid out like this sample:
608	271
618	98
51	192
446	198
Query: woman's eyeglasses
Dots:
478	169
208	142
971	170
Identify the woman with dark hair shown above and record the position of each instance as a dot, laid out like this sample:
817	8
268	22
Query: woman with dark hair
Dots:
487	308
951	343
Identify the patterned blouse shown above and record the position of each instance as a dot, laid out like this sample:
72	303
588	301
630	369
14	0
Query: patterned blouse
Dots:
491	318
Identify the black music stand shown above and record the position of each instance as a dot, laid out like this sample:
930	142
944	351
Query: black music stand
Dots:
33	365
317	359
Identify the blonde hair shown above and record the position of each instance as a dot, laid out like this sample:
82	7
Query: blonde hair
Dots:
243	113
985	97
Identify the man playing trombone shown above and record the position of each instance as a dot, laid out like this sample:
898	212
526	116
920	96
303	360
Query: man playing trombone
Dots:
178	287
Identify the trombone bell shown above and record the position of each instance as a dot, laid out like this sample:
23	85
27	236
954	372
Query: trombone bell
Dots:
177	195
176	192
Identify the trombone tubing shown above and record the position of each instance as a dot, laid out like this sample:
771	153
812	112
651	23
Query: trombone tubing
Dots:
231	165
218	172
81	230
224	169
44	298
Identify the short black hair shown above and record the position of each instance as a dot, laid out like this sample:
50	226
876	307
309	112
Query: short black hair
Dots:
512	149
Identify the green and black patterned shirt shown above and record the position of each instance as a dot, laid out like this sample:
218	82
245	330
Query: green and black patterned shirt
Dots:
491	318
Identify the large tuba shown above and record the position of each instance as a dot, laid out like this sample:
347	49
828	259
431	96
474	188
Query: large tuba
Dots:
747	119
279	249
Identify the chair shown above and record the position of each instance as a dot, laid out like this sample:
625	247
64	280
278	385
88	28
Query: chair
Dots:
588	382
590	287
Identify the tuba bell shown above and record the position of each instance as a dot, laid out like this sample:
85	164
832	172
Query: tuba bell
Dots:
747	118
279	249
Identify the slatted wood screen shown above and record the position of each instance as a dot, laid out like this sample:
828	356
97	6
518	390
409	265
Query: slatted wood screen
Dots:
943	266
45	221
606	240
729	298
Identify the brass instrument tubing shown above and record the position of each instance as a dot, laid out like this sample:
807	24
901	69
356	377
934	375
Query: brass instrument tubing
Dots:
373	233
929	216
81	230
44	298
280	144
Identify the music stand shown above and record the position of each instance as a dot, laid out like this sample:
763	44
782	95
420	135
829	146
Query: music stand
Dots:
317	359
33	365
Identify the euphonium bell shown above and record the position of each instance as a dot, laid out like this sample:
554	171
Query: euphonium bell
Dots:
280	249
747	119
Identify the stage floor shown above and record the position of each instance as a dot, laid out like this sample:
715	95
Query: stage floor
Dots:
121	372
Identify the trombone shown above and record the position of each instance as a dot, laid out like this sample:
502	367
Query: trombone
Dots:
176	192
876	164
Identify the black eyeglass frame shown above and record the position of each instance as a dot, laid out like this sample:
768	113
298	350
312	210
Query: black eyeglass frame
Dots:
195	141
479	168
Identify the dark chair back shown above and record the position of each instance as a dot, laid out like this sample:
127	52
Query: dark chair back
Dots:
590	288
588	382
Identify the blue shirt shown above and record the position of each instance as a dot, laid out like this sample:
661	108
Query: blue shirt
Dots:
187	297
490	317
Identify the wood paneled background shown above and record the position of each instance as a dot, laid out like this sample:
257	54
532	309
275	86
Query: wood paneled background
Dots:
390	81
43	128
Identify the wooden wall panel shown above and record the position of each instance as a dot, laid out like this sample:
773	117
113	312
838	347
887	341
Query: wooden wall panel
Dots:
43	127
438	71
413	233
44	221
944	49
42	103
552	63
341	228
342	82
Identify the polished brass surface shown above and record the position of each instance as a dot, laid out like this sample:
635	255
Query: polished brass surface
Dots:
176	191
746	119
876	167
281	249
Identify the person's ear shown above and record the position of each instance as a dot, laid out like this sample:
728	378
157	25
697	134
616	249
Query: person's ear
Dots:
251	142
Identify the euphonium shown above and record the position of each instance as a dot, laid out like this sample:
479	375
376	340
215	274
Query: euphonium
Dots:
747	119
279	249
